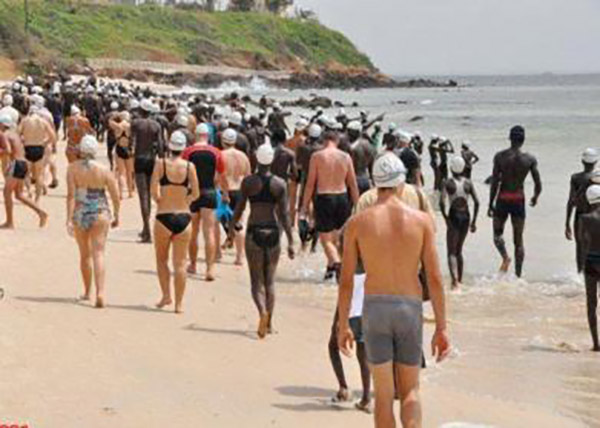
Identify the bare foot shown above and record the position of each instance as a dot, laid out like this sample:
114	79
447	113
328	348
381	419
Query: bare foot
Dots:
7	226
209	277
191	269
596	349
262	326
179	309
165	301
100	302
456	286
505	265
238	262
43	220
363	406
84	297
341	397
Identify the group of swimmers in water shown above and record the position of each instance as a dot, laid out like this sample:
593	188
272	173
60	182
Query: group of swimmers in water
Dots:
344	182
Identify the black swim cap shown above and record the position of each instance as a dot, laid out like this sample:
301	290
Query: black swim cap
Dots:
517	134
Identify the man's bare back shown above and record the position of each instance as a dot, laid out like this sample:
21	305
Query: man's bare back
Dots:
237	167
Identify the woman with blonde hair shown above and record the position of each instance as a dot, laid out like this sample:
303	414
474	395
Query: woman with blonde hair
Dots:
88	213
174	186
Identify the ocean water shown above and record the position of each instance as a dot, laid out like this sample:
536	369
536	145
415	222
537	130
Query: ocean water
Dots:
519	340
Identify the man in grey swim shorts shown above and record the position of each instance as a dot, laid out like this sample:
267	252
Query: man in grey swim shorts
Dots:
392	313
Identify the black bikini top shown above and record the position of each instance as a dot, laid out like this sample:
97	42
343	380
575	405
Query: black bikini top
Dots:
264	196
164	180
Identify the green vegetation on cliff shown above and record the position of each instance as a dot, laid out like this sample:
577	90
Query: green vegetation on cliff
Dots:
62	32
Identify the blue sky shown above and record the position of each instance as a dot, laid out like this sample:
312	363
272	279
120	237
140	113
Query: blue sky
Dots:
470	36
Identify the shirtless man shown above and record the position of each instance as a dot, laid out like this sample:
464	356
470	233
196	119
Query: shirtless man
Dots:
470	158
284	164
147	138
331	178
392	312
294	144
76	127
458	189
590	258
577	200
237	167
37	134
16	173
507	196
363	155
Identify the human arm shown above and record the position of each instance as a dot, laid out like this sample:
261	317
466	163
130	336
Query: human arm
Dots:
537	180
494	186
113	190
570	207
194	185
311	182
284	217
475	206
474	158
239	209
351	182
440	344
346	287
443	197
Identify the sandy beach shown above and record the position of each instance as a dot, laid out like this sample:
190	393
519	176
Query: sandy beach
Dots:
65	364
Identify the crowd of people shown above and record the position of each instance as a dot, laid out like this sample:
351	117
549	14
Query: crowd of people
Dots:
345	182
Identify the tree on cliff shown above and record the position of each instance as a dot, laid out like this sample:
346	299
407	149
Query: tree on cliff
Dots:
279	6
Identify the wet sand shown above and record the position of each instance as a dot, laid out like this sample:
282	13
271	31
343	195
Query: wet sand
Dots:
67	364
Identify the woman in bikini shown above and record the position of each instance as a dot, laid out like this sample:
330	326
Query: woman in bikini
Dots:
174	186
88	213
268	215
120	124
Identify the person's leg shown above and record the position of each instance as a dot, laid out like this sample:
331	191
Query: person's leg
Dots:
53	170
336	362
271	260
120	172
462	236
255	259
452	248
209	222
591	288
293	192
384	391
365	375
193	247
218	252
43	215
239	239
407	380
330	248
162	244
180	245
85	260
577	237
499	224
518	224
110	145
98	234
37	173
143	185
9	188
129	176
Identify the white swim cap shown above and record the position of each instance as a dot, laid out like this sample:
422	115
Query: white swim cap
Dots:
355	125
315	131
38	100
7	101
435	137
229	137
466	144
183	120
6	119
218	112
342	112
595	177
388	171
247	117
593	194
265	154
16	86
301	124
75	110
590	156
236	118
147	105
36	90
178	141
24	90
457	164
134	104
202	129
392	127
89	89
114	105
276	106
88	146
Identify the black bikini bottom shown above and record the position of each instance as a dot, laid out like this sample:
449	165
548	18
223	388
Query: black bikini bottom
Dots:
265	236
175	222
